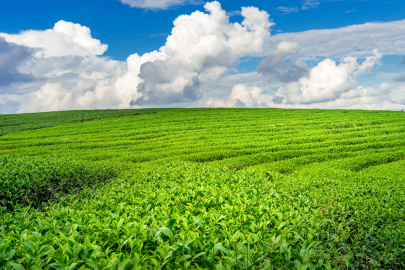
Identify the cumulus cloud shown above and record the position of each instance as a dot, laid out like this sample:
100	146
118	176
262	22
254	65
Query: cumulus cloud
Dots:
242	95
54	97
201	44
66	53
275	67
195	67
65	38
248	96
398	95
361	91
51	97
201	48
12	56
325	82
159	4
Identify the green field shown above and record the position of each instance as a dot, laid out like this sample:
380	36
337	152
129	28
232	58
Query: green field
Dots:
203	189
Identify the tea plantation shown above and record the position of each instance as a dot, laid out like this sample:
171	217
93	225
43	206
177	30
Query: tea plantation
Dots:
203	189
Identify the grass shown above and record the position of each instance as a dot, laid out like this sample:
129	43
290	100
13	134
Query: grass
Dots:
210	189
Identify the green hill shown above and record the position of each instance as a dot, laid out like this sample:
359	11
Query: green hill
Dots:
204	189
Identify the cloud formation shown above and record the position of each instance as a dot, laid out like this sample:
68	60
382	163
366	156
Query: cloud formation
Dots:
287	10
275	67
397	95
400	78
64	68
325	82
11	57
201	48
242	95
67	53
64	39
310	4
355	40
158	4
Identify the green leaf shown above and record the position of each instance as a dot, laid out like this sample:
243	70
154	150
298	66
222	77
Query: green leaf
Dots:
57	266
65	259
198	255
17	266
297	257
92	265
152	243
281	225
29	245
10	254
166	231
171	223
120	224
185	257
291	265
221	248
123	264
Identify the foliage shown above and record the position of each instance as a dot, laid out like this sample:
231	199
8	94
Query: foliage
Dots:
34	181
216	189
11	123
176	217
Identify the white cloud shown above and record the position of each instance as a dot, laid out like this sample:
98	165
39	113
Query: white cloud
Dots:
241	96
200	49
249	96
400	78
51	97
398	95
195	66
64	39
310	4
356	40
274	67
325	82
11	57
158	4
95	75
287	10
67	53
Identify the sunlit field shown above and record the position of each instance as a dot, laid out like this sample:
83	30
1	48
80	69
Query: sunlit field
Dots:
203	189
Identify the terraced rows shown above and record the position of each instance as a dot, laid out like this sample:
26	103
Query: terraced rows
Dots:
236	138
204	189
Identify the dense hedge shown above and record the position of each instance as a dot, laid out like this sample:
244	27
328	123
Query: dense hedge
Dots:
33	181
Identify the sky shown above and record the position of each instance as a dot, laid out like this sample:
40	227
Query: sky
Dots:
70	55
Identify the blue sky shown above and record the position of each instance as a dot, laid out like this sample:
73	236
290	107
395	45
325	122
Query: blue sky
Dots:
146	25
128	30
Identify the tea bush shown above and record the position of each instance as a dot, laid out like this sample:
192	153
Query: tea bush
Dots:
207	189
34	181
179	216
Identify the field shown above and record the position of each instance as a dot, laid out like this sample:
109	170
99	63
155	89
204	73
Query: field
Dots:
203	189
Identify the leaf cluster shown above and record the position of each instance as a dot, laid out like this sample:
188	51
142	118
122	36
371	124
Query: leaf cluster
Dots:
35	181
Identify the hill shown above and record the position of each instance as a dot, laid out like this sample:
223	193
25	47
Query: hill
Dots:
205	188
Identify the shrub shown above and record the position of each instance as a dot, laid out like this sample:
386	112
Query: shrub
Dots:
34	181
